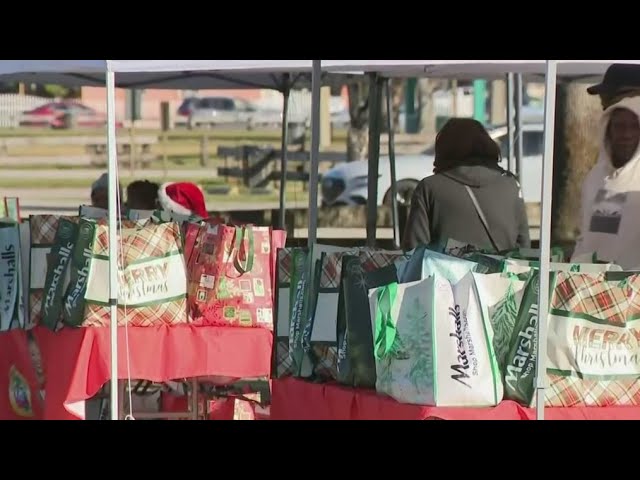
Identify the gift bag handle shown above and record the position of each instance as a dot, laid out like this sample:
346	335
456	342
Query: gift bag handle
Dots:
240	233
386	331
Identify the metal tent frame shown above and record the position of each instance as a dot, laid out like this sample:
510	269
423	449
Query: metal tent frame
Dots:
13	69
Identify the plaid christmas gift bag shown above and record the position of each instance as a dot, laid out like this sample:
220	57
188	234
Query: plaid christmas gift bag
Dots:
324	335
152	279
594	340
42	233
282	363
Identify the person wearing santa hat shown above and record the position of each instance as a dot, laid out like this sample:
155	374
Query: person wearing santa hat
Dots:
183	198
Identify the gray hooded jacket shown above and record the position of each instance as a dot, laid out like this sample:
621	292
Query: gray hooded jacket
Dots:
442	209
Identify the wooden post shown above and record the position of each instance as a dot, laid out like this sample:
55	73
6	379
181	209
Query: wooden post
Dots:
204	150
132	148
498	102
325	118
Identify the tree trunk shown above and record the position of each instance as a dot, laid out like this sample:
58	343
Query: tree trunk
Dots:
426	88
576	151
358	135
397	98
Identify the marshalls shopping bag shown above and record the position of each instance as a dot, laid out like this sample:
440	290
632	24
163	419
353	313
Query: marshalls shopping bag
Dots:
432	344
152	282
500	297
11	311
43	230
58	277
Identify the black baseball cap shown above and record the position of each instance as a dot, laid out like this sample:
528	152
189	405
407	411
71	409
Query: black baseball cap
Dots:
618	76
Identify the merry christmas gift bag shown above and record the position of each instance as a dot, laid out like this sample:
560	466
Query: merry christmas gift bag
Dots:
593	341
432	344
152	279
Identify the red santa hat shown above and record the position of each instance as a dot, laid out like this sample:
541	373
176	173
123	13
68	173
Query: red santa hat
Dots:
183	198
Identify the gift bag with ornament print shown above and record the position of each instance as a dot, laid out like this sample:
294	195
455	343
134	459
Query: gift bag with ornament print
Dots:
152	282
324	336
42	234
593	343
230	281
11	293
432	344
356	363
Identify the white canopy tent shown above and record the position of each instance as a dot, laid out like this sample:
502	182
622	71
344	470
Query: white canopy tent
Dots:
87	72
168	74
453	68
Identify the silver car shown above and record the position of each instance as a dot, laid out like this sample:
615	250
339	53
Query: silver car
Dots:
212	111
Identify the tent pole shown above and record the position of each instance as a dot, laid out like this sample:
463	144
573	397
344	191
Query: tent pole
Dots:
316	80
113	240
284	150
510	124
518	85
375	92
392	166
545	234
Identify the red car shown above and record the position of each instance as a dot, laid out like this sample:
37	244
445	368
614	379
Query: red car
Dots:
64	115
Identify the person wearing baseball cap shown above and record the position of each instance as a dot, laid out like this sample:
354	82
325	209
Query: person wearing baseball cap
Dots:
611	191
621	80
183	198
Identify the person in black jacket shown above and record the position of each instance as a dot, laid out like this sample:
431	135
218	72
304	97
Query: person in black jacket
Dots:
442	206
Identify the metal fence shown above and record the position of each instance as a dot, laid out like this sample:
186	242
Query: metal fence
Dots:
12	106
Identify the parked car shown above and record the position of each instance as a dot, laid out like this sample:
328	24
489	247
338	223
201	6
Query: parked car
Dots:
211	111
64	115
346	184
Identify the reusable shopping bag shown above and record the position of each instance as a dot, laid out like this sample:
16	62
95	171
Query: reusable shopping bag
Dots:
432	344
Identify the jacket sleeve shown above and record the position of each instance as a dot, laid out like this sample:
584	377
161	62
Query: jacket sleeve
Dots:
417	231
524	240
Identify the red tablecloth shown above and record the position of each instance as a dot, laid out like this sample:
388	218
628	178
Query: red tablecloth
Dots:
294	399
76	360
19	392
